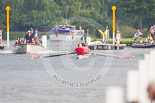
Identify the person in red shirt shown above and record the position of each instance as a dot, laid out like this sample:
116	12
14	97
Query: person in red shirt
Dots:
79	50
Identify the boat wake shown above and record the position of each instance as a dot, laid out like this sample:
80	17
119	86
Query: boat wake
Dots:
6	51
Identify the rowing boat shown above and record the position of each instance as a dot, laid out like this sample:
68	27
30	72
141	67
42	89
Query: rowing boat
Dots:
142	45
28	48
83	56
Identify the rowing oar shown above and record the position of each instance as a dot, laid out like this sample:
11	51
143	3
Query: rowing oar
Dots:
56	55
114	56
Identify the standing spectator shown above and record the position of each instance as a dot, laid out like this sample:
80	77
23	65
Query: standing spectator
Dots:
152	32
106	32
118	37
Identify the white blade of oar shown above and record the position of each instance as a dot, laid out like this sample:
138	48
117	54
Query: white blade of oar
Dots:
114	94
114	56
151	68
132	86
143	80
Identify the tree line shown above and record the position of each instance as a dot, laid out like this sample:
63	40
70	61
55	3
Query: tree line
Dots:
44	14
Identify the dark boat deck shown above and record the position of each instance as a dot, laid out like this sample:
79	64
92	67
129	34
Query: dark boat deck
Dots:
142	45
107	46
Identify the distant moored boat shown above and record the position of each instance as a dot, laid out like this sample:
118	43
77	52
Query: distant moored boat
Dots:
142	45
66	33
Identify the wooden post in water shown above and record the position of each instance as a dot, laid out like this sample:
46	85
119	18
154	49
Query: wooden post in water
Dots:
94	33
7	9
88	39
87	32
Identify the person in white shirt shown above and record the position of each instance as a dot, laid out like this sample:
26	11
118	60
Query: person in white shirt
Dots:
118	37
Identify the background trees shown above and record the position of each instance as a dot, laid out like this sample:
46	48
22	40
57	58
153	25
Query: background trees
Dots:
44	14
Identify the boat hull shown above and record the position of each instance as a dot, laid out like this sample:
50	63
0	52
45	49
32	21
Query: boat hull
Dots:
141	45
66	37
28	48
83	56
2	46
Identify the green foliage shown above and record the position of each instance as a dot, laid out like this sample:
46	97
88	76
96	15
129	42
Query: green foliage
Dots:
139	10
127	31
44	14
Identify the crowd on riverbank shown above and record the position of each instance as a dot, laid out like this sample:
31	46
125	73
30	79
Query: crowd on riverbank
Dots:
137	36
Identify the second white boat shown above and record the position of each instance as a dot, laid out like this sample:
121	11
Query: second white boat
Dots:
28	48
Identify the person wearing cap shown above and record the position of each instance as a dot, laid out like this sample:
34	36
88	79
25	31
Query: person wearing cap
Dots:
28	37
137	35
118	37
79	50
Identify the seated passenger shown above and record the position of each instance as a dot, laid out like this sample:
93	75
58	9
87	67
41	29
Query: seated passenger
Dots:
36	34
16	42
86	49
32	31
28	37
19	41
149	39
36	40
137	35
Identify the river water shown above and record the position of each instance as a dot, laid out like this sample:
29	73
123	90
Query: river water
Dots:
63	79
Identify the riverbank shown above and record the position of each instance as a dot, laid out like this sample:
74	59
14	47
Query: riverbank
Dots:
127	41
